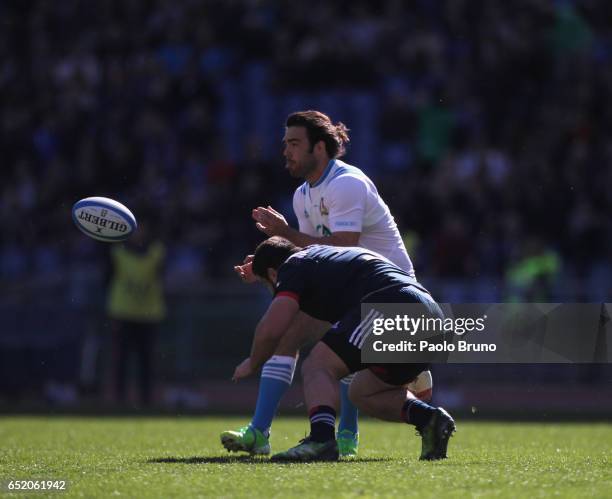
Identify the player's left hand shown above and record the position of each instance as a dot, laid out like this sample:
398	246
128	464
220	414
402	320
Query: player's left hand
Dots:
243	370
270	221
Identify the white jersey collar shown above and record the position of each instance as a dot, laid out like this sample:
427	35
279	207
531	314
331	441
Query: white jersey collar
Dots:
326	172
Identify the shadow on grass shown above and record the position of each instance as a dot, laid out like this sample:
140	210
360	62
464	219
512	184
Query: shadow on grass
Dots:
247	460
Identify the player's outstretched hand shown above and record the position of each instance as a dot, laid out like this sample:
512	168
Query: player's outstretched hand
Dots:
243	370
270	221
245	271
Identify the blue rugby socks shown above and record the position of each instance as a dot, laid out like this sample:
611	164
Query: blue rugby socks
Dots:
276	378
349	414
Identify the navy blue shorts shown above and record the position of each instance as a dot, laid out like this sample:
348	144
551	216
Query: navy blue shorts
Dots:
344	338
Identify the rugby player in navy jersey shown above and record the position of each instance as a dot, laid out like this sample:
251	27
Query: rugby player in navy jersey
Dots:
337	205
330	284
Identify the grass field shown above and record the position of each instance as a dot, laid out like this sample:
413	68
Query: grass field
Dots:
182	457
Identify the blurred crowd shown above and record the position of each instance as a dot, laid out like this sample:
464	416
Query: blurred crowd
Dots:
484	123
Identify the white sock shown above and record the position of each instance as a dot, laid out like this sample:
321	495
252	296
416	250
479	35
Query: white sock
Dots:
280	367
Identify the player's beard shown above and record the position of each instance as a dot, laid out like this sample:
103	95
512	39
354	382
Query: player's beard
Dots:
303	168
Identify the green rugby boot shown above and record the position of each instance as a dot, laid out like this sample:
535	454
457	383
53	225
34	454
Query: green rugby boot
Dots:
435	435
308	450
348	443
246	439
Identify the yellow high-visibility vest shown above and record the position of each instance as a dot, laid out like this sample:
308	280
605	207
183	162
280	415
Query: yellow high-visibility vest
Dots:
136	292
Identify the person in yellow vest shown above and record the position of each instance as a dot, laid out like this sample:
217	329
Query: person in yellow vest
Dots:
136	306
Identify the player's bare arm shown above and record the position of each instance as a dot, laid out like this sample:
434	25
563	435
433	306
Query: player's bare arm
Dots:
272	223
269	331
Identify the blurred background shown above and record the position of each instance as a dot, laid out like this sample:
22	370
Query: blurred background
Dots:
484	123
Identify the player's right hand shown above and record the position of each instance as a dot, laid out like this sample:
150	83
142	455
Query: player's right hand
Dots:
245	271
270	221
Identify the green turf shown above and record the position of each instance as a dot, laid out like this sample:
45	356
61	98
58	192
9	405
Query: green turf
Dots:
182	457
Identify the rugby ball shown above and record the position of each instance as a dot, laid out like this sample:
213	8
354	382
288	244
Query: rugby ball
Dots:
103	219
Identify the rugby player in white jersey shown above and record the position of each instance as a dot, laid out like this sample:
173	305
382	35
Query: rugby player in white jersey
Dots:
337	205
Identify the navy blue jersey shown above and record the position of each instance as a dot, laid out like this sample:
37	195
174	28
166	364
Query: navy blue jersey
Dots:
327	281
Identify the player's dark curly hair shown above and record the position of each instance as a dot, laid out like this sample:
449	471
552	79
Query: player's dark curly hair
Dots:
320	127
271	254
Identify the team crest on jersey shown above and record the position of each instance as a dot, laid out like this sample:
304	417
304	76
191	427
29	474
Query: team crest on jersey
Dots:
323	209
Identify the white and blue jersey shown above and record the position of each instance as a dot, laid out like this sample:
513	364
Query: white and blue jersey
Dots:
344	199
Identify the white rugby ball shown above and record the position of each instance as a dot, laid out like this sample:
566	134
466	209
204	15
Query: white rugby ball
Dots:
103	219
